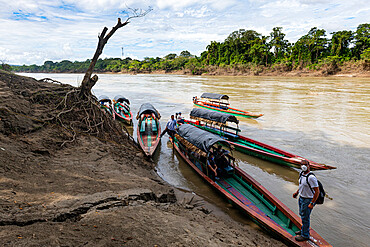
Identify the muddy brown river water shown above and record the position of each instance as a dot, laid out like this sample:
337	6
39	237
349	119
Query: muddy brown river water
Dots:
326	120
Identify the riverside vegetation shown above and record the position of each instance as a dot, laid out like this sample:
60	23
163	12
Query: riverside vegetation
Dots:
245	52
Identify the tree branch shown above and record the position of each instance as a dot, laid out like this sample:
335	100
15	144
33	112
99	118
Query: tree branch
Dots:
88	82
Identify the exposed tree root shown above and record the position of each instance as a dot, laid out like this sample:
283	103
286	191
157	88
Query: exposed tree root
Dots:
76	116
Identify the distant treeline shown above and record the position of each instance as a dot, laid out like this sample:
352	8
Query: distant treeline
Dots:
241	49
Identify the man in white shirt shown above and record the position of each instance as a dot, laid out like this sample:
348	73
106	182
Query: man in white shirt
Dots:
170	127
308	194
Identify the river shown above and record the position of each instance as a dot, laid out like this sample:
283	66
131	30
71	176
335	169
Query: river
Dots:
322	119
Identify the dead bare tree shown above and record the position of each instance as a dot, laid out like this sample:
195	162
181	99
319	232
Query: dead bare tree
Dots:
5	66
88	82
76	110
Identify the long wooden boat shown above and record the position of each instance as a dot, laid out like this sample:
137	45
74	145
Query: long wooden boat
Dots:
106	104
217	122
195	145
121	109
148	128
220	103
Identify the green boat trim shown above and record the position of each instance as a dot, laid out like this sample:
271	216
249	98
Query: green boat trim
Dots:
148	129
261	150
241	190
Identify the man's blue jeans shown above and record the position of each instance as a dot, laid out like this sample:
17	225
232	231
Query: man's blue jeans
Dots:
305	212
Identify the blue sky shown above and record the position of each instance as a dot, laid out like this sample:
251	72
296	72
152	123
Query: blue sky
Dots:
39	30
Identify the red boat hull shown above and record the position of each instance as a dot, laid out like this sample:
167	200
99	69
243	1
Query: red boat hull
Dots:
263	220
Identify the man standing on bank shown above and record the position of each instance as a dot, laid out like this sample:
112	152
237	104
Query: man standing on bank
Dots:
306	199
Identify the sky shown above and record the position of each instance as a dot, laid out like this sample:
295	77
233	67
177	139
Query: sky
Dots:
34	31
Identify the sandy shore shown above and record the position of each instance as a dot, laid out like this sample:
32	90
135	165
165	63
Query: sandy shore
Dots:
92	192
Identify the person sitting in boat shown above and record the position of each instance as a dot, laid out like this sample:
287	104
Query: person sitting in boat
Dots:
180	119
212	167
195	155
220	158
170	127
147	115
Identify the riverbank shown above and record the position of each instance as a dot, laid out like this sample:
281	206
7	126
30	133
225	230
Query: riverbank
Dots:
360	68
347	69
92	191
298	73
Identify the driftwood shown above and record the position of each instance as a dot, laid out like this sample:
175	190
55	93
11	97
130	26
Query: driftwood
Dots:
88	82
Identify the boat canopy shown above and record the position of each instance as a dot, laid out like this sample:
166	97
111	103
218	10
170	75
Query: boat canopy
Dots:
214	96
214	116
121	99
104	98
148	108
200	138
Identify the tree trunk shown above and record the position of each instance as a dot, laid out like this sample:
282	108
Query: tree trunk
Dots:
88	82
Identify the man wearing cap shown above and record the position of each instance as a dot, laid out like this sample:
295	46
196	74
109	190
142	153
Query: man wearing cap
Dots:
306	200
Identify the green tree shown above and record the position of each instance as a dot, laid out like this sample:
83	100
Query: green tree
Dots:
179	62
366	54
340	42
185	54
211	56
310	47
194	65
278	42
48	65
237	46
166	65
5	66
361	39
317	43
260	50
170	56
134	65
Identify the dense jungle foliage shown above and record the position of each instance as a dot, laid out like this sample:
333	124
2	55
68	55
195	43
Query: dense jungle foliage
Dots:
242	49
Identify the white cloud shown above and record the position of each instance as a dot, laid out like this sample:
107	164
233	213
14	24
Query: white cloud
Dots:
35	31
315	1
179	5
197	13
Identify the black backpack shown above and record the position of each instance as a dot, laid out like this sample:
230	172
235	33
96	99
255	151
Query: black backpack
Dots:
320	199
